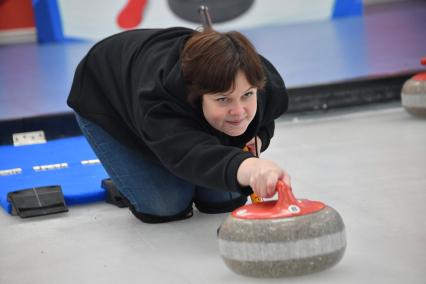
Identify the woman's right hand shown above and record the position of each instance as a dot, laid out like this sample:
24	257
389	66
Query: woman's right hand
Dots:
262	176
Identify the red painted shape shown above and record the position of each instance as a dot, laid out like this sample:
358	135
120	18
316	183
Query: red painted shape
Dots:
131	15
286	206
423	61
16	14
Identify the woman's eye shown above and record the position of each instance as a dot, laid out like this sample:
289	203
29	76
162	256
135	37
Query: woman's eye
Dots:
221	100
249	94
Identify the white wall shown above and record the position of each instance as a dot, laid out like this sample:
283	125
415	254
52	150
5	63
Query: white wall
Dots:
96	19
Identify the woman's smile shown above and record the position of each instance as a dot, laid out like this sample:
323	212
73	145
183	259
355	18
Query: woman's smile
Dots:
235	122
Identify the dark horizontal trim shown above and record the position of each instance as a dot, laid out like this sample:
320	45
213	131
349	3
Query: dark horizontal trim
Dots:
348	93
55	126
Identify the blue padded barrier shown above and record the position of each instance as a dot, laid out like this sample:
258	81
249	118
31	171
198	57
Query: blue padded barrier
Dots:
80	183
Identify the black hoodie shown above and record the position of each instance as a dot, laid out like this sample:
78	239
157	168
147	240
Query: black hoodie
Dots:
131	85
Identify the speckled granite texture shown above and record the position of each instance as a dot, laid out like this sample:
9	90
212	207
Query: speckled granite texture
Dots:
413	97
283	247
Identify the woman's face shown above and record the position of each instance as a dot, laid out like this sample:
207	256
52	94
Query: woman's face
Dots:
231	112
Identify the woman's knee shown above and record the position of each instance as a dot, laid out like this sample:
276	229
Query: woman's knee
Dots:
160	217
152	208
155	202
159	204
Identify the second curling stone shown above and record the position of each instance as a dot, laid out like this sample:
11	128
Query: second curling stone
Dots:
413	94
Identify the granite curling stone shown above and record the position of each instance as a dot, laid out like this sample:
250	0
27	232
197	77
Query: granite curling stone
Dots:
413	94
287	237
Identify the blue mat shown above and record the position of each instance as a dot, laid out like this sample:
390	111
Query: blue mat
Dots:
80	183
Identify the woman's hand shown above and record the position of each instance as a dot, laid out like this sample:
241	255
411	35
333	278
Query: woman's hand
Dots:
262	176
252	146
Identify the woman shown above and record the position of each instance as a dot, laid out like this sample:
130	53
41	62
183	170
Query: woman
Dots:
168	113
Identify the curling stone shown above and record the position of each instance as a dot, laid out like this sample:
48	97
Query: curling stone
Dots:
287	237
413	94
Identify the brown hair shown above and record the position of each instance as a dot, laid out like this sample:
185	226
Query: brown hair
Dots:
211	60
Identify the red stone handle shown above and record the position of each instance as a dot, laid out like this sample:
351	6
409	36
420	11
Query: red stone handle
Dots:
285	196
286	206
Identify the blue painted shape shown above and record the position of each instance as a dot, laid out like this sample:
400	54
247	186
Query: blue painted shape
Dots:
48	21
80	184
345	8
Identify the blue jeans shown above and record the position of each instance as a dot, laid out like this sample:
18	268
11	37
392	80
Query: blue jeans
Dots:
150	188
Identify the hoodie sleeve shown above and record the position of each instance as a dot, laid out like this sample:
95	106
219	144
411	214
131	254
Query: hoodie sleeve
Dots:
181	144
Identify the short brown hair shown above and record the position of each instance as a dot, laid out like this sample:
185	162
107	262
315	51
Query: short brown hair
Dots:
211	60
